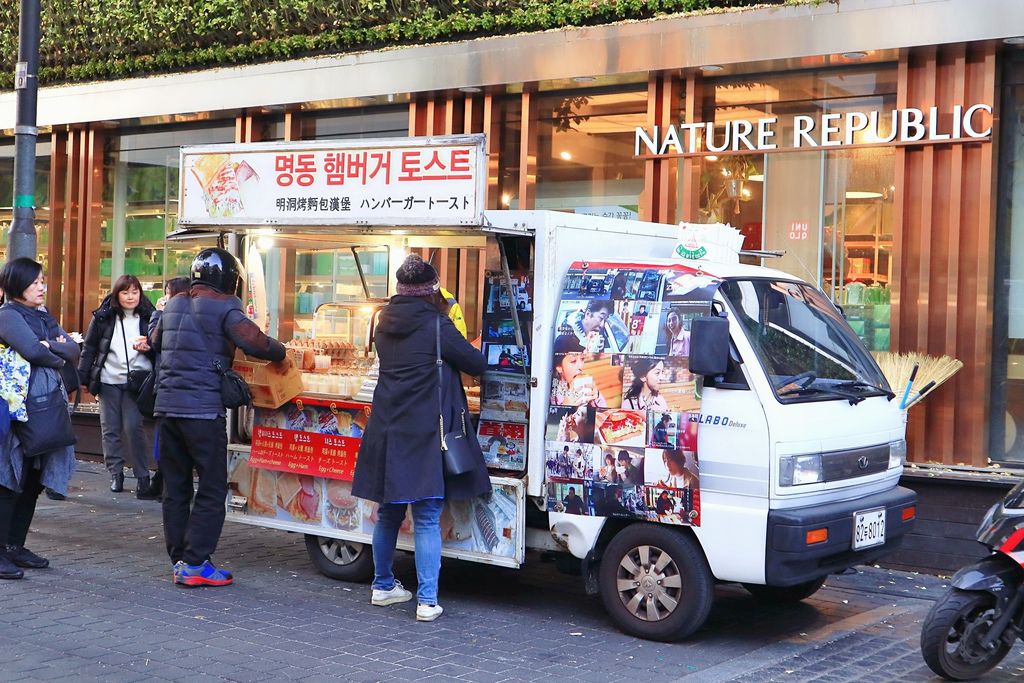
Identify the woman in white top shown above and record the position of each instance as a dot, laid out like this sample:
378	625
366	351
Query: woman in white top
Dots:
108	357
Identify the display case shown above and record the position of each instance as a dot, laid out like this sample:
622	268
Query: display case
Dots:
328	275
338	359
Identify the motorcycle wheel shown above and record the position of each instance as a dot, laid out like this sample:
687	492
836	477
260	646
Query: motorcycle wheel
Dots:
951	634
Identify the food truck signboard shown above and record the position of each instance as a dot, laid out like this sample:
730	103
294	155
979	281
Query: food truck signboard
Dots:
411	181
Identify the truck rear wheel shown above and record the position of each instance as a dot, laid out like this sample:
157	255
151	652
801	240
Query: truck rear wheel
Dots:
655	582
341	560
784	594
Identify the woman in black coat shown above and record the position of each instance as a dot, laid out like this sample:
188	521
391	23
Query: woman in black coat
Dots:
29	329
400	457
109	356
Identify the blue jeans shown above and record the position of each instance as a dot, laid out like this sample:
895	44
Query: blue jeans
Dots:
426	517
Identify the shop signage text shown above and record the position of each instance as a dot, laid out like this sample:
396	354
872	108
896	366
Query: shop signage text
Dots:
416	181
828	130
317	455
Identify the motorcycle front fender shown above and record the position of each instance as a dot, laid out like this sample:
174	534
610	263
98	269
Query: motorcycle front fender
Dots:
996	574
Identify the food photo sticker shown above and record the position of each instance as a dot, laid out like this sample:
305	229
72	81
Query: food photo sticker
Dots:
674	328
504	398
594	323
620	427
642	320
672	430
579	378
672	506
574	424
689	285
506	358
503	444
567	497
659	384
343	511
569	460
589	283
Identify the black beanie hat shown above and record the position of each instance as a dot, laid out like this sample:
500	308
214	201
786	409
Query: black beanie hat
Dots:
416	277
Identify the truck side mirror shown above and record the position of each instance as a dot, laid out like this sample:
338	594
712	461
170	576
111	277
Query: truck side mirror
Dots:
709	346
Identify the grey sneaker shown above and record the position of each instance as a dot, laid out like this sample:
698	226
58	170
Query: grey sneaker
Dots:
428	612
390	597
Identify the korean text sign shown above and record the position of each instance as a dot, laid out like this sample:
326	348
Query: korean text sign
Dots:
412	181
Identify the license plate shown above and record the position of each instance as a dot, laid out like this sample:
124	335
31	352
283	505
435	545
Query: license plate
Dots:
868	528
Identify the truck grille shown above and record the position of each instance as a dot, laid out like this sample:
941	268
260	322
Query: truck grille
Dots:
855	462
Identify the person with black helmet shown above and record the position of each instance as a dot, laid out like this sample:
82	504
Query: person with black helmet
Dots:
196	333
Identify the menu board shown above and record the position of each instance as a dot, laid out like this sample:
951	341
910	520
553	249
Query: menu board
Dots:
624	409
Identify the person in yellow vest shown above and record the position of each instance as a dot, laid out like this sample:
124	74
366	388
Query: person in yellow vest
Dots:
455	312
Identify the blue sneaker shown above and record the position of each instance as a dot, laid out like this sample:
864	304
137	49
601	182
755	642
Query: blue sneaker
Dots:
204	574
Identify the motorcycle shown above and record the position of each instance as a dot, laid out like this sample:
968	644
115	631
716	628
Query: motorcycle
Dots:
972	627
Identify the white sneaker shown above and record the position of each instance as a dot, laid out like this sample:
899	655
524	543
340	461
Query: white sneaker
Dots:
428	612
391	597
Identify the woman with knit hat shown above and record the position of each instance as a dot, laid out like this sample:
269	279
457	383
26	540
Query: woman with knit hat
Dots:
399	460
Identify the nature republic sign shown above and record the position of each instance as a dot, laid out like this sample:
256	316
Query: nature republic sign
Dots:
906	125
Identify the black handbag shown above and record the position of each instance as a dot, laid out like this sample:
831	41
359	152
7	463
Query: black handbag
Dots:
49	422
136	378
145	398
457	452
234	392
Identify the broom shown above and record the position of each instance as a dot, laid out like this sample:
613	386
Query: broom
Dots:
916	373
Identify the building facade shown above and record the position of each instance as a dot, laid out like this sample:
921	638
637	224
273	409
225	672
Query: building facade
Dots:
874	142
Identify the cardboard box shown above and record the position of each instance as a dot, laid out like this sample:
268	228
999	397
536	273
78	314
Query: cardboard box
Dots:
272	384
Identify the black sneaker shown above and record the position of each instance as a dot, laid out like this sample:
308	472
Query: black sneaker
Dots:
23	557
53	495
8	570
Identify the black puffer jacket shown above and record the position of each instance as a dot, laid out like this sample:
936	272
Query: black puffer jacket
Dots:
194	331
400	455
97	340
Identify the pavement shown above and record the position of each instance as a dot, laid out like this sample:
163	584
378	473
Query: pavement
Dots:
107	610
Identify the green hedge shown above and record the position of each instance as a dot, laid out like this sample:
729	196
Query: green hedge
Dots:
86	40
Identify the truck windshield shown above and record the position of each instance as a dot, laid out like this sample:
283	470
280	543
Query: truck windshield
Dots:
806	347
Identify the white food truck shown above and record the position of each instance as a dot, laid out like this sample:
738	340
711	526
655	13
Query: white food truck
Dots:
663	424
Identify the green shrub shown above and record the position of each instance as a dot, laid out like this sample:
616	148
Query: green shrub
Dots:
109	39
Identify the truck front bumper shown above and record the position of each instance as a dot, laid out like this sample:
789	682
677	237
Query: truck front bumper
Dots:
790	560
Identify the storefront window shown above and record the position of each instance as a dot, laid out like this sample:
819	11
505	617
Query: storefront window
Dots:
829	212
585	158
42	196
1007	414
362	122
141	204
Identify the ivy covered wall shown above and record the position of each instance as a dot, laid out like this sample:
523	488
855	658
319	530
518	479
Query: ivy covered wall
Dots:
88	40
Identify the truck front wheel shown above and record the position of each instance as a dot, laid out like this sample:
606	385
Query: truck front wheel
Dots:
655	582
341	560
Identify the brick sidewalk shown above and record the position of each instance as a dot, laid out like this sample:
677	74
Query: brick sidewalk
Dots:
108	611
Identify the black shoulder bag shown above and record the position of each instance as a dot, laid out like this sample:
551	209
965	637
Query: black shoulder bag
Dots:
234	392
136	378
456	451
49	422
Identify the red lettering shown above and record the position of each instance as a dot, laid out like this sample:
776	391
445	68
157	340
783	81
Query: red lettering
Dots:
334	167
284	164
410	165
305	167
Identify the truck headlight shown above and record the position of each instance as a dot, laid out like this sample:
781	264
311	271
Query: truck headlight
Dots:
795	470
897	453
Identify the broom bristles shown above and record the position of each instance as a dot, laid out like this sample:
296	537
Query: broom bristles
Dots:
897	368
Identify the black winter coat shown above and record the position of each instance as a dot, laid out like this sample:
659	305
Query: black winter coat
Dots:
195	330
98	340
400	455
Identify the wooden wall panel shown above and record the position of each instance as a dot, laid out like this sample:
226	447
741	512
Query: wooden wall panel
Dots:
944	236
55	249
658	200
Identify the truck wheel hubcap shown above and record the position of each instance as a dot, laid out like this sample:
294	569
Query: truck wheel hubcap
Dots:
649	583
340	552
